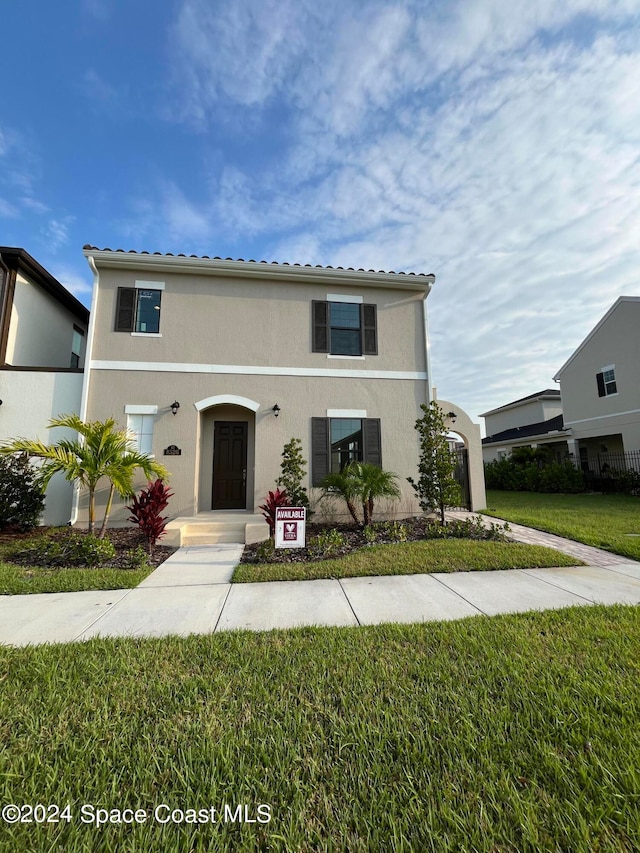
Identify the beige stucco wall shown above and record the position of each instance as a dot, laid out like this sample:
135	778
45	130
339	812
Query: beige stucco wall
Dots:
41	329
615	342
524	413
218	320
29	401
395	402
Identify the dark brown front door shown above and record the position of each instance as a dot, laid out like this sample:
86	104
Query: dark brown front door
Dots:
230	465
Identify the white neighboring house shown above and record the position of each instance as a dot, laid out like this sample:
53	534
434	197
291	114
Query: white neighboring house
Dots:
527	422
43	330
600	385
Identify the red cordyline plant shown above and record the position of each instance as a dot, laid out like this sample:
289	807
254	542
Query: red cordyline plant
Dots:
274	499
146	511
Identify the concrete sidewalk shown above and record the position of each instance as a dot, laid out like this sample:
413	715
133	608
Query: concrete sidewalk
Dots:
190	593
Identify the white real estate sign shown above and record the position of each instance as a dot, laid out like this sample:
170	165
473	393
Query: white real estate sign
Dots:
290	526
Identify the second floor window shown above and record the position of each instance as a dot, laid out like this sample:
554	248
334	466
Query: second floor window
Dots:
76	346
345	328
606	380
138	310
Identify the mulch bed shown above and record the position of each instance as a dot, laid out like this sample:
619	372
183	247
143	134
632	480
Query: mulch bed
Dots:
355	539
124	539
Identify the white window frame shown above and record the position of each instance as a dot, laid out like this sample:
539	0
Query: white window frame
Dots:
140	423
612	368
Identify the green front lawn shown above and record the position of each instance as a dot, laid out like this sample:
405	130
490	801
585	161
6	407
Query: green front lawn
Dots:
600	520
410	558
515	733
21	580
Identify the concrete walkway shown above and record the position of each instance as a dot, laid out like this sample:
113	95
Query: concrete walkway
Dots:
190	593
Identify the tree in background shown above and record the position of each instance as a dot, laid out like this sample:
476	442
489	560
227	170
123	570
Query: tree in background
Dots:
102	450
293	468
21	495
436	487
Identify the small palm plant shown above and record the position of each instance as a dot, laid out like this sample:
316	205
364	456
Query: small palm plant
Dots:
364	483
345	485
374	483
102	450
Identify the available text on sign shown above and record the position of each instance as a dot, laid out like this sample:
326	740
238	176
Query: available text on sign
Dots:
290	526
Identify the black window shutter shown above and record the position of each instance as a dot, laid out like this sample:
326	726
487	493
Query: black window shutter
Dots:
320	326
319	450
601	389
369	328
372	441
125	309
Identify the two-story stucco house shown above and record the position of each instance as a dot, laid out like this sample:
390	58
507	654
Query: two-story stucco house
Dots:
215	364
600	386
43	329
527	422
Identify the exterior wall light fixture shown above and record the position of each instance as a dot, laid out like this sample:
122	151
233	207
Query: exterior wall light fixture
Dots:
174	407
275	409
452	417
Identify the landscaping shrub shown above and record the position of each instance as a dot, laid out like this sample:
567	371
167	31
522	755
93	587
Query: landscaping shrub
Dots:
135	558
532	476
385	531
468	528
69	549
265	550
293	468
21	497
272	502
326	544
146	512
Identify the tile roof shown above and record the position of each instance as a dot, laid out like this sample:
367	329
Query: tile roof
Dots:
541	428
88	247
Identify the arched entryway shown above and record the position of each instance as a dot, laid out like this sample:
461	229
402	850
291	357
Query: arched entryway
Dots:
469	432
227	453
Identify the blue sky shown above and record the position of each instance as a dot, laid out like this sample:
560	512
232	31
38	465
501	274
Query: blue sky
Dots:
494	144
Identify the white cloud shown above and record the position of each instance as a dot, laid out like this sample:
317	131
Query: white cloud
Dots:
56	232
493	144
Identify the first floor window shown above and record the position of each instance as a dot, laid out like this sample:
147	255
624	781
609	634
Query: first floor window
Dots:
138	308
335	442
606	381
141	430
346	442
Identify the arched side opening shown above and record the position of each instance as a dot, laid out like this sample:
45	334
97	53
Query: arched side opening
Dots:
469	432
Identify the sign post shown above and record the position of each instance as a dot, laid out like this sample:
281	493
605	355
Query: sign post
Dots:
290	526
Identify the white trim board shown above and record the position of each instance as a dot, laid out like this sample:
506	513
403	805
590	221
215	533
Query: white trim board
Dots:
603	417
347	413
255	370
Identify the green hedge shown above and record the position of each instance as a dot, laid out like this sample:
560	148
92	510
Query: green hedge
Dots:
508	475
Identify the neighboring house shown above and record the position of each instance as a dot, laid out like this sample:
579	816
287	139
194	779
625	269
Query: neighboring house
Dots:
600	385
43	329
215	364
528	422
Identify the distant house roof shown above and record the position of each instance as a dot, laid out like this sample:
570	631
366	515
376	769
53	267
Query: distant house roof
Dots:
547	394
21	261
240	267
528	431
600	323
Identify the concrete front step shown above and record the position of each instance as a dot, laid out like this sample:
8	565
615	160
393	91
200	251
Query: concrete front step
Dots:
210	528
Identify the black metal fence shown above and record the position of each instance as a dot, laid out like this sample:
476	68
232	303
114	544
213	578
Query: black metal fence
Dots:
611	472
461	476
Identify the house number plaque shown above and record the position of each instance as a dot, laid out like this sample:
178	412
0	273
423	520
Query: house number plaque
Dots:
173	450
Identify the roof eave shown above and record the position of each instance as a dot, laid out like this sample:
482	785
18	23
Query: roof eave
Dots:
107	259
20	260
